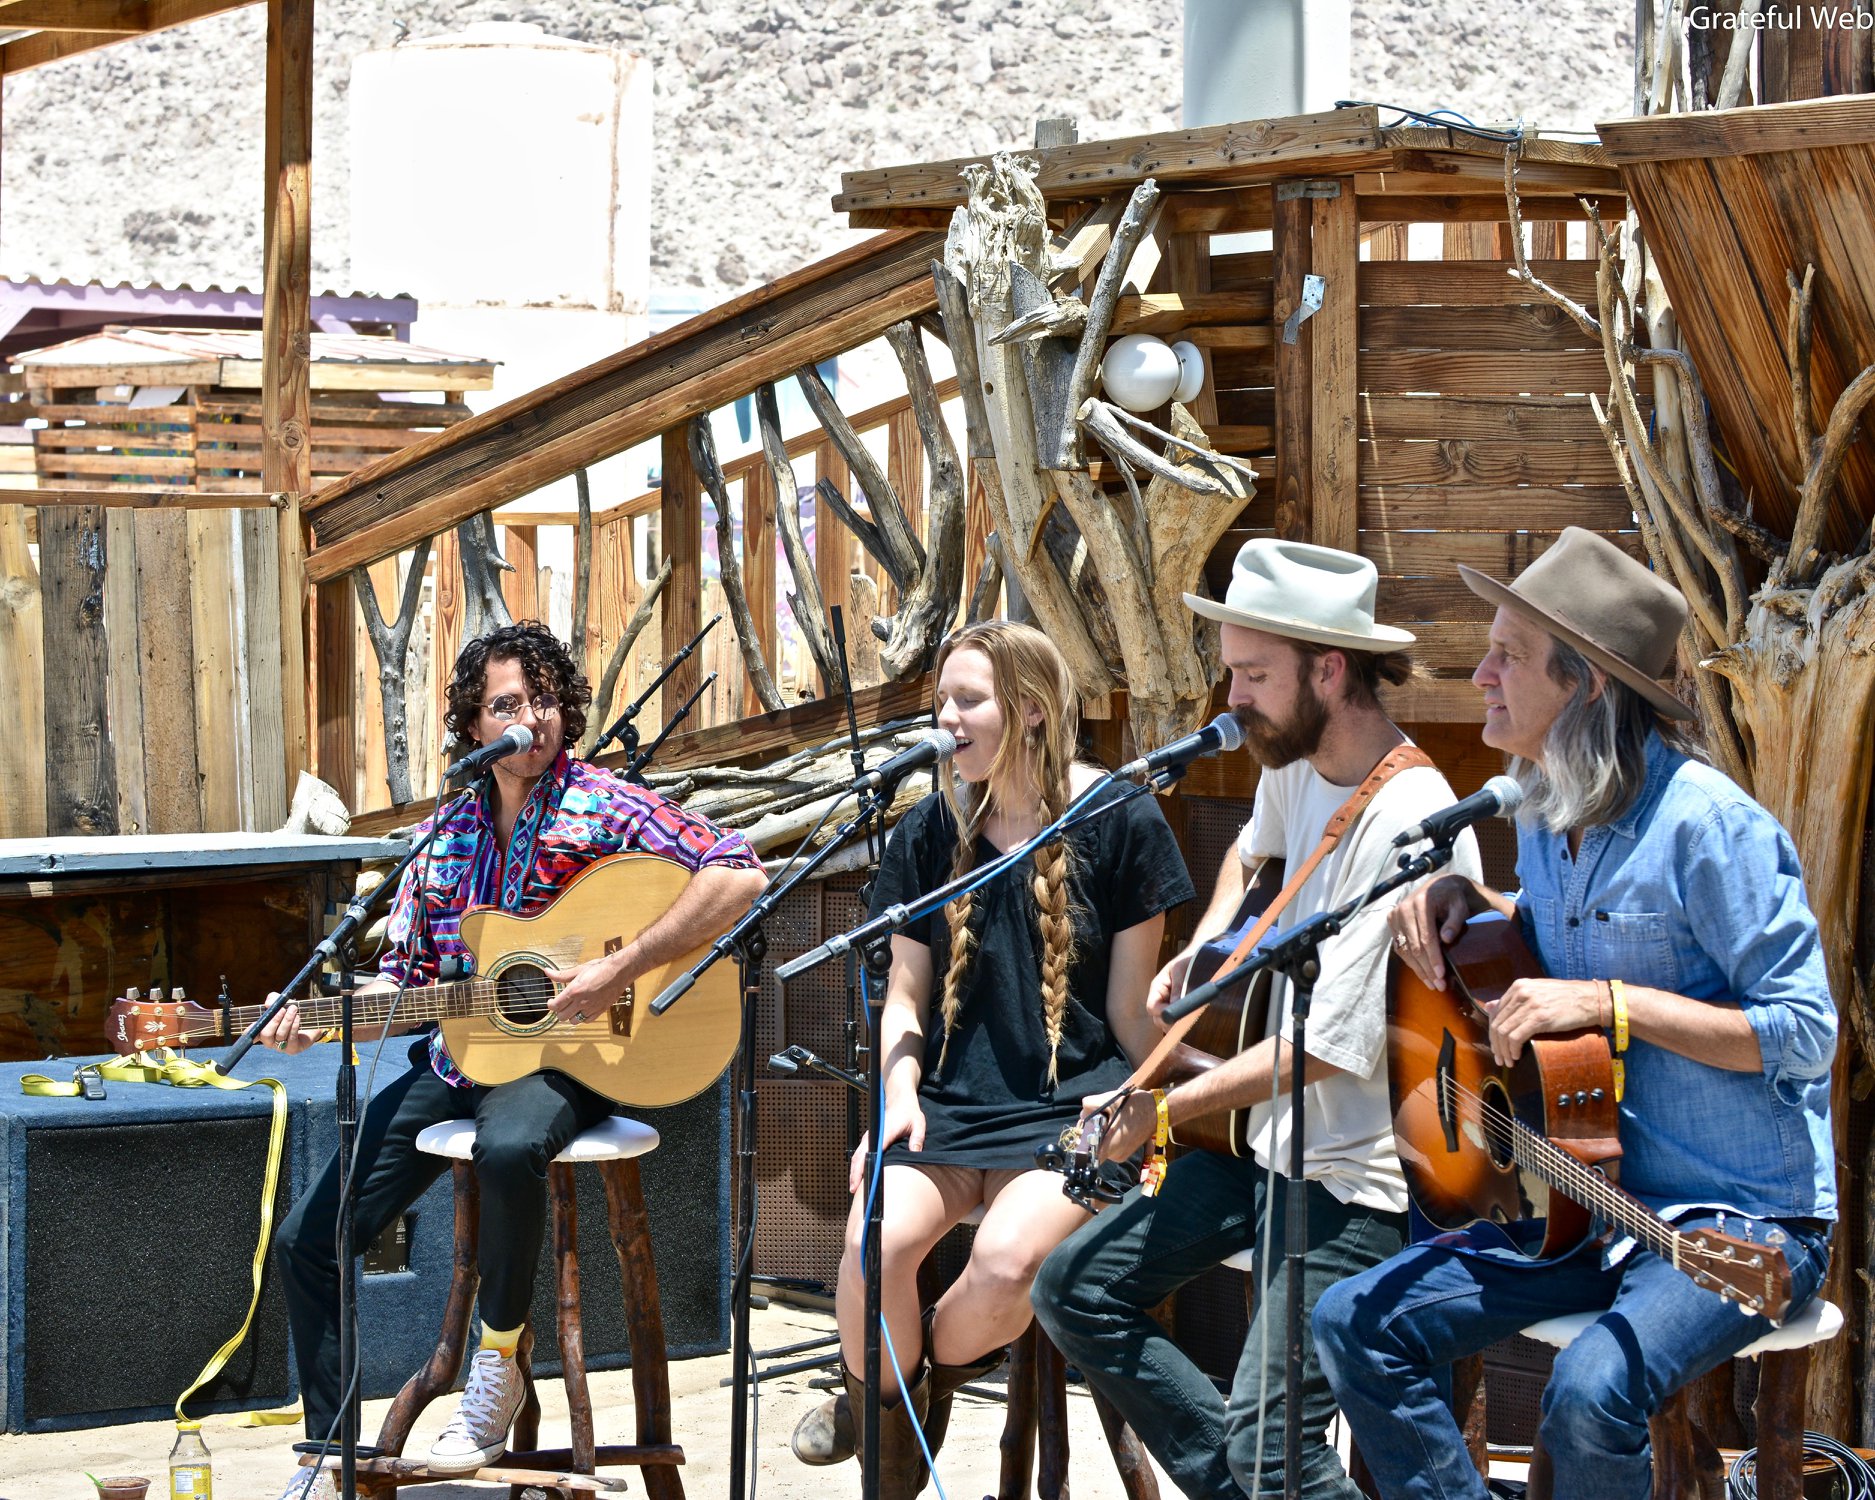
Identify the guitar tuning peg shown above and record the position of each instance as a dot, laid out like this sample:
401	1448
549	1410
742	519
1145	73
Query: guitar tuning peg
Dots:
176	994
133	994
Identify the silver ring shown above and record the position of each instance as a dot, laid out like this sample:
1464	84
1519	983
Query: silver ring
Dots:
1399	940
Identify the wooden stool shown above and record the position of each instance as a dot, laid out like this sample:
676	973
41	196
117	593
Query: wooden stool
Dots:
1683	1456
1035	1432
613	1146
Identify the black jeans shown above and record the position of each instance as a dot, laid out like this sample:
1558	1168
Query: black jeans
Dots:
520	1127
1094	1292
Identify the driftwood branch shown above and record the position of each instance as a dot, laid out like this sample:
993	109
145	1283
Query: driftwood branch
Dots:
1798	332
582	562
484	608
710	473
810	610
926	610
1126	237
1584	319
608	681
989	581
391	644
889	536
1825	469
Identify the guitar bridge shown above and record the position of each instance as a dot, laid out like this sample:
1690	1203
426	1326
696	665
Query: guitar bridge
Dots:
1448	1101
625	1013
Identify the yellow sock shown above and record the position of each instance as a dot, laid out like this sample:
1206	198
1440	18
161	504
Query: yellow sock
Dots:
506	1340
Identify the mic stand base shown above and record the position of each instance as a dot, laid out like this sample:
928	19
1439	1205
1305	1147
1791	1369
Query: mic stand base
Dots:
751	950
878	961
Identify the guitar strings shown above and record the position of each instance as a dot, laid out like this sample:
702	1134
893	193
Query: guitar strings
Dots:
440	1002
1529	1147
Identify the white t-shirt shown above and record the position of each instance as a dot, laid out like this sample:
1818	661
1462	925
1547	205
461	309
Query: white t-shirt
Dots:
1348	1143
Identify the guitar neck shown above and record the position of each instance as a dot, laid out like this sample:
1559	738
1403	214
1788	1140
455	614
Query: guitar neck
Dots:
436	1002
1543	1158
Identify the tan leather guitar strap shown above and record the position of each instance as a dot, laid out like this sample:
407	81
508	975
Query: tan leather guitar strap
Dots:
1399	758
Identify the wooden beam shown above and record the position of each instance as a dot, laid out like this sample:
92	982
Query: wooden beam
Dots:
286	339
122	17
680	523
625	399
1338	140
46	46
1481	208
144	499
1845	121
1289	244
1335	252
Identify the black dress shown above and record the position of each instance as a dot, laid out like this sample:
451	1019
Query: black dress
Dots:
991	1105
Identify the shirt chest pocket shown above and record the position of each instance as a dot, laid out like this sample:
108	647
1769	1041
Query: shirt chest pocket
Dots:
1633	946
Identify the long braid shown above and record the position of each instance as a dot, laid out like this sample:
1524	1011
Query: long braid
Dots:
1051	900
963	938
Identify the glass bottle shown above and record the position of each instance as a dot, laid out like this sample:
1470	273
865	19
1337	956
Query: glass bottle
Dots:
190	1477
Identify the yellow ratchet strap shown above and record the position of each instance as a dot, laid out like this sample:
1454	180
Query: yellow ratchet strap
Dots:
165	1066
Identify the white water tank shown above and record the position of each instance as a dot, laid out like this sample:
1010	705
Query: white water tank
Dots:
500	165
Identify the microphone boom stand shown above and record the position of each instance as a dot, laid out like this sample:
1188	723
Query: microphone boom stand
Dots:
340	945
623	724
1298	956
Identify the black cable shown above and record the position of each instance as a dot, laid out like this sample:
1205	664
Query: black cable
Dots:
1742	1483
1442	119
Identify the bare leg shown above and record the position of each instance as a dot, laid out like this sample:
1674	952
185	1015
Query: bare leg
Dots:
921	1204
1028	1215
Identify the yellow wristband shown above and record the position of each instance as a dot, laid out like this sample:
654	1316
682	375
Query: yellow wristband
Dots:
330	1034
1162	1125
1618	993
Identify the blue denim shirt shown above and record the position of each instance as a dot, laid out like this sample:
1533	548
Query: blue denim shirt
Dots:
1696	889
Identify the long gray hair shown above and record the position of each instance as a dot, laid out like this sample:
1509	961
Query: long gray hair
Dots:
1595	754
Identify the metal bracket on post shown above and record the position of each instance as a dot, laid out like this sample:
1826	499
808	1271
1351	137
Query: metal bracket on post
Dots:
1311	303
1289	191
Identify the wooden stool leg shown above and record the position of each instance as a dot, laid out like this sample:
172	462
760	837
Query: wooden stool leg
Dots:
1051	1411
1781	1380
445	1364
1129	1454
644	1319
1018	1440
565	1206
1468	1408
525	1434
1686	1465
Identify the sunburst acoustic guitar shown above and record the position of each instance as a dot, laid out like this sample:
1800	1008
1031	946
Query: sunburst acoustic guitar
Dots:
1489	1146
497	1024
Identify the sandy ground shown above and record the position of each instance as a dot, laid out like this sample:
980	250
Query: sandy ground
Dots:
253	1463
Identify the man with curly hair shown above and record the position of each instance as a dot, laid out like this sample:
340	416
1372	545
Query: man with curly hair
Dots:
540	817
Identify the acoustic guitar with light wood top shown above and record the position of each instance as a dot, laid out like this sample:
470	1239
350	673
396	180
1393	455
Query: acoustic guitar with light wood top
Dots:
497	1024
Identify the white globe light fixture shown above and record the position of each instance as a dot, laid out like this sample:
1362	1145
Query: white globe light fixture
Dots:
1190	372
1139	372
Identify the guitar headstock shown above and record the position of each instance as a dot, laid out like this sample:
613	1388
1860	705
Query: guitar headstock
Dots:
139	1023
1754	1275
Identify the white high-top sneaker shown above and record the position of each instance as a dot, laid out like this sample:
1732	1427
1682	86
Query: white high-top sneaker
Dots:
311	1484
479	1430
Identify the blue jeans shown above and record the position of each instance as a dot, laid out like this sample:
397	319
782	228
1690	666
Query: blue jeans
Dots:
1384	1336
1094	1294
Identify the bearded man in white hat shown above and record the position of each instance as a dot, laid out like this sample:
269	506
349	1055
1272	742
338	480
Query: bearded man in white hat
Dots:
1306	662
1667	908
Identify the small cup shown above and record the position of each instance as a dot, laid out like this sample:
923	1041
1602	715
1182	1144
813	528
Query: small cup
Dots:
121	1487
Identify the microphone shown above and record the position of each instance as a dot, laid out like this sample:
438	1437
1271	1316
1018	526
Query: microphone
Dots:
936	747
1497	798
516	739
1222	733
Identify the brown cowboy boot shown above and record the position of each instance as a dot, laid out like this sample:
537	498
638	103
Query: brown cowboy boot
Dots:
947	1381
902	1469
825	1435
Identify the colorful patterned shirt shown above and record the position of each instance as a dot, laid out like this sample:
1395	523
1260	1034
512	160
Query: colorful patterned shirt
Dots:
577	813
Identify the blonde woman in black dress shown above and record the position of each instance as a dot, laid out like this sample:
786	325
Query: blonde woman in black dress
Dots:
1003	1010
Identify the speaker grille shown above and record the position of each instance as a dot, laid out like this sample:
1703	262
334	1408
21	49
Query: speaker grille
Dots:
149	1227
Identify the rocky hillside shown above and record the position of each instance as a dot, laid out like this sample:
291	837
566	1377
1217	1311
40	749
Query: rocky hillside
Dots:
142	161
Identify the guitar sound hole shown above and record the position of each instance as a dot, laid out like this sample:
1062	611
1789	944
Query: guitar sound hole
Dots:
522	993
1496	1125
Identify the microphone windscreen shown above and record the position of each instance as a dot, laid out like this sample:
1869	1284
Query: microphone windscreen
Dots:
943	741
522	736
1509	794
1230	732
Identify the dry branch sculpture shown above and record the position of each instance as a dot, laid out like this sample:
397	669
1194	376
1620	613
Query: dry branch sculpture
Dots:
710	472
1037	356
391	644
1784	677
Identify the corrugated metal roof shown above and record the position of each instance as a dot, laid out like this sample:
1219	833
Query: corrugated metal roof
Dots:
210	289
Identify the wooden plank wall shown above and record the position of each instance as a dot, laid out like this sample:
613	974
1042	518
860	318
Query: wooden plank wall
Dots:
1476	441
154	718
